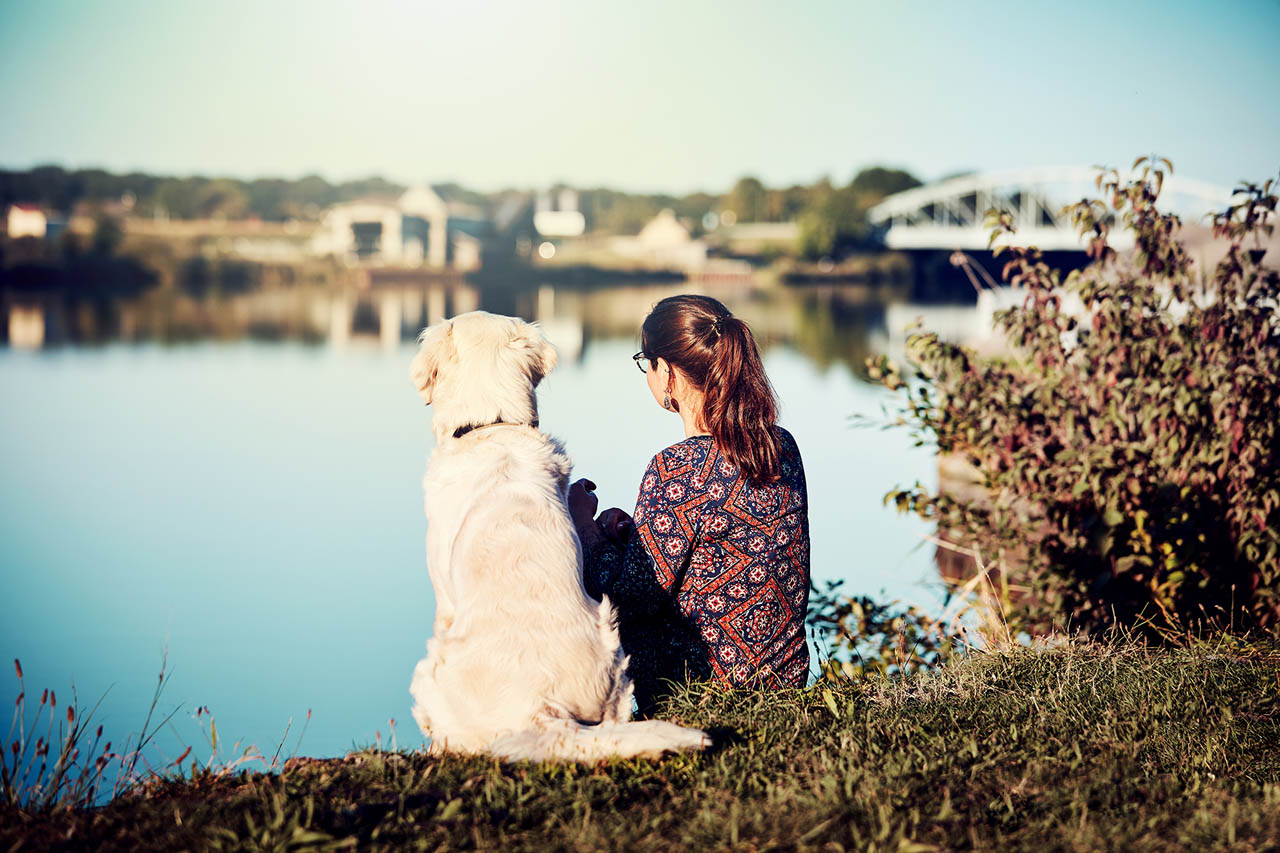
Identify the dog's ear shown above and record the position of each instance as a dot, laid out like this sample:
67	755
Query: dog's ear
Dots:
426	363
542	356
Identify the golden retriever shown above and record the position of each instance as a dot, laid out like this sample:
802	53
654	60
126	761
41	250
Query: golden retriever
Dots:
522	663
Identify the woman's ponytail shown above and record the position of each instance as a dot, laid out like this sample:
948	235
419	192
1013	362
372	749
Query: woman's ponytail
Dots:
718	353
739	406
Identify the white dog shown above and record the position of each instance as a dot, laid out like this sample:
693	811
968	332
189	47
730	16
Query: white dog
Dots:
522	663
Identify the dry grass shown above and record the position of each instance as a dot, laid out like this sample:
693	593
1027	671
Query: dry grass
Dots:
1072	748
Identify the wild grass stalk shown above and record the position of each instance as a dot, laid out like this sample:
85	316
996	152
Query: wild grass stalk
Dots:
68	770
1085	745
27	779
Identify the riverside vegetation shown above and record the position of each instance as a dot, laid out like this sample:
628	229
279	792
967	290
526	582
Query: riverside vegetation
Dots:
831	218
1129	471
1081	747
1128	451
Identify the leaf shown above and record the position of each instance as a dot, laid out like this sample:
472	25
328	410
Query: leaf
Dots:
309	837
831	703
451	810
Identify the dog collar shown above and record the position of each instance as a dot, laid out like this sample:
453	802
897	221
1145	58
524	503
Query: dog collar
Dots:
463	430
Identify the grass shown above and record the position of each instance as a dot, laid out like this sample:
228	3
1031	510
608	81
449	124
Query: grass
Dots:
1074	748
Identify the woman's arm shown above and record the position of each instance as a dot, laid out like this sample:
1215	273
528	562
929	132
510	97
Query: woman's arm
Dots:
639	577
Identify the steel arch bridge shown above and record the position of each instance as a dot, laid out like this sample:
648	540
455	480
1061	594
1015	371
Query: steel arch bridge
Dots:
948	215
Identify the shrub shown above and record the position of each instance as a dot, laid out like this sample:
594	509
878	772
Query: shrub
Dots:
1129	449
857	637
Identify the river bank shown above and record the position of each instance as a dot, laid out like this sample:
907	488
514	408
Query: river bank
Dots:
1062	749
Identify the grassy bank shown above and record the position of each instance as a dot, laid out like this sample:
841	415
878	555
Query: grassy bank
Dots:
1076	748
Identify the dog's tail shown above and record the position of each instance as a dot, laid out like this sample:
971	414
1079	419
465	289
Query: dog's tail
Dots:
570	740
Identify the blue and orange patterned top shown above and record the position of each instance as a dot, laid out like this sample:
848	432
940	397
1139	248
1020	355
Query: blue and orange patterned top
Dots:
714	581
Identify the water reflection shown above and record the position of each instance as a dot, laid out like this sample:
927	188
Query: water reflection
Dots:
829	324
254	500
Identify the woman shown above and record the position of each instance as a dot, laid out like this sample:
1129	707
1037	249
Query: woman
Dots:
711	576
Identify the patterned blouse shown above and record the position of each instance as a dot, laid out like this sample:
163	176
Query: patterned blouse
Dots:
714	581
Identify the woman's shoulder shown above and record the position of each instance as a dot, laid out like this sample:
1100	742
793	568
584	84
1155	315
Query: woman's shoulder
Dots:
698	453
789	458
787	441
682	456
672	474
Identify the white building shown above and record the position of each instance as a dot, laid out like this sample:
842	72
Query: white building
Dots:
26	220
663	242
419	228
558	214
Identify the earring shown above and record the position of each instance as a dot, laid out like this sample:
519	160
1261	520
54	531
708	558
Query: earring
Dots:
666	402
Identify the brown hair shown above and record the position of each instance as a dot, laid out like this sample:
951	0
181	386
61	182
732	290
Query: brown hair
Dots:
718	354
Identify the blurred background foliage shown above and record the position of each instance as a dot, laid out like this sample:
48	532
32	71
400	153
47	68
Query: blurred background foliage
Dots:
1127	450
832	218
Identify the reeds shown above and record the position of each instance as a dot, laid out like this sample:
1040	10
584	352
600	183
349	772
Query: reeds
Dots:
64	767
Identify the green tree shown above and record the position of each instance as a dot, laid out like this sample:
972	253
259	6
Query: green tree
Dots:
871	186
617	212
268	198
785	205
695	206
176	196
833	226
107	236
835	222
746	200
221	199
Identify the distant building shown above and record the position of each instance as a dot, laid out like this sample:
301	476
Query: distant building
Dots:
557	214
26	220
663	242
26	326
754	238
370	229
664	231
513	226
423	227
466	252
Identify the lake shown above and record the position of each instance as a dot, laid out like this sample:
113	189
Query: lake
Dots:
254	506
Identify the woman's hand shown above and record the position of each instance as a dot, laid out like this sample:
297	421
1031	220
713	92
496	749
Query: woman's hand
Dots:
617	525
583	503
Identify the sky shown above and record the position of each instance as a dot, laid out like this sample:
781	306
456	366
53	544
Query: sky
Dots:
665	95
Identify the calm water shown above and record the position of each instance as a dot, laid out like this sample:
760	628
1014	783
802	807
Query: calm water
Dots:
256	508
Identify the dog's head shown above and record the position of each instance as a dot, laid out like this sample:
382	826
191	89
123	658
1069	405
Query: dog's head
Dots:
479	368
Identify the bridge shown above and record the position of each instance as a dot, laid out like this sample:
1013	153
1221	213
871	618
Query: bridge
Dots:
948	215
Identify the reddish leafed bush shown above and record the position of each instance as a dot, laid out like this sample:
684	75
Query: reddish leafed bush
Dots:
1129	449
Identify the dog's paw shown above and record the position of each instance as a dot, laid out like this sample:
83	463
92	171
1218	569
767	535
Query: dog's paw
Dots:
722	737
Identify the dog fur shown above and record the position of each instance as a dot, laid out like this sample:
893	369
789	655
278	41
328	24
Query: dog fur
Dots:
522	663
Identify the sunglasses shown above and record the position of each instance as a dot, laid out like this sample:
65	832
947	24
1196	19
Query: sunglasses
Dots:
640	359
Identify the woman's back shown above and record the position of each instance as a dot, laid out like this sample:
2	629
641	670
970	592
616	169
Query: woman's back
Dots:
715	581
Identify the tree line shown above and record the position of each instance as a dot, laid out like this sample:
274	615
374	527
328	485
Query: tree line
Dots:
831	217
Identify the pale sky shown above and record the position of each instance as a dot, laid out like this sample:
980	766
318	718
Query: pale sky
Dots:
653	96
